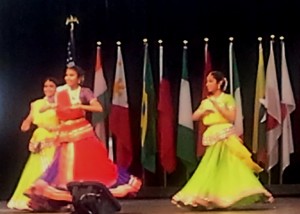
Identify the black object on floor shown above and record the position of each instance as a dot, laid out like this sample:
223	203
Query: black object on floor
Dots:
92	198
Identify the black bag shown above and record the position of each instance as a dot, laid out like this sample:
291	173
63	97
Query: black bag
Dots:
92	198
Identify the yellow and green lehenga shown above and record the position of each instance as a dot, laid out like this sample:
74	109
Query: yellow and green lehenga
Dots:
39	161
225	176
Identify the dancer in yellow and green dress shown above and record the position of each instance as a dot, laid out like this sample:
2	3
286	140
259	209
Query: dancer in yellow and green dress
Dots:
41	152
226	176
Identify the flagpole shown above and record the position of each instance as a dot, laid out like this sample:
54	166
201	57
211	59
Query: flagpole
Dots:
200	149
255	147
145	44
256	121
160	79
160	59
230	65
145	41
204	90
185	47
288	101
269	176
269	170
205	50
100	129
281	163
72	20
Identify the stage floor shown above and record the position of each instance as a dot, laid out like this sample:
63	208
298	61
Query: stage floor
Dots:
163	206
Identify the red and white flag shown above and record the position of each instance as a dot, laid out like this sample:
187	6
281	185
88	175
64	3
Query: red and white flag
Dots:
119	120
288	106
207	68
272	105
166	129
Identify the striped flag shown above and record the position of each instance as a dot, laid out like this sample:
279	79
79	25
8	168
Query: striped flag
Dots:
119	119
186	148
71	53
272	104
235	90
148	117
204	94
259	145
166	132
100	91
288	106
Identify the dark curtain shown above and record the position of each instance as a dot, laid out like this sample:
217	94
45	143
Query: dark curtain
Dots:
33	43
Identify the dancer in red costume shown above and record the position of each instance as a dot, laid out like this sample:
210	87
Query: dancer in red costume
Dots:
79	155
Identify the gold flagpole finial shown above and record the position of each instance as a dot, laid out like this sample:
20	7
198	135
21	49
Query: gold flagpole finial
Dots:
72	20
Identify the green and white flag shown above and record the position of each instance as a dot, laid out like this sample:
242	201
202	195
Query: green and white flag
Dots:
235	90
100	91
186	144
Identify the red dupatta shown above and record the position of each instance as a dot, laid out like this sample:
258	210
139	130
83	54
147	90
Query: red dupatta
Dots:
64	110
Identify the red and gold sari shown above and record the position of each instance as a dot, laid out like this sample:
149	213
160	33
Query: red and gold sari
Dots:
79	157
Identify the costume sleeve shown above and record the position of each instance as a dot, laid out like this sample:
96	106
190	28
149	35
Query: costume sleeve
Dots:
201	106
87	96
230	102
206	104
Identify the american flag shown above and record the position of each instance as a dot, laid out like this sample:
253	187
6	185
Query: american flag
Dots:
71	50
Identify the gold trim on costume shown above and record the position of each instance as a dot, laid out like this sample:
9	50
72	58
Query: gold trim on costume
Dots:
213	201
212	138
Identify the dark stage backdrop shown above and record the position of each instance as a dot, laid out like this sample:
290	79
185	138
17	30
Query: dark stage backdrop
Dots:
33	41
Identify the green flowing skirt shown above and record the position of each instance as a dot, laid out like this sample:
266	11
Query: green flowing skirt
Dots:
224	178
37	163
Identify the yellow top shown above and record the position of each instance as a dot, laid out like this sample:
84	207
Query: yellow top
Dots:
217	118
45	121
221	130
219	127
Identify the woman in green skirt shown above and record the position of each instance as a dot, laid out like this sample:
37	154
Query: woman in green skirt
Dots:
225	176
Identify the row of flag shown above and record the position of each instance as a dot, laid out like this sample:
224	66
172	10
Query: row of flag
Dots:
272	113
160	138
153	115
157	119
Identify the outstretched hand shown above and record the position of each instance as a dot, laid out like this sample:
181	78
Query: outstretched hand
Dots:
47	107
208	111
34	147
25	126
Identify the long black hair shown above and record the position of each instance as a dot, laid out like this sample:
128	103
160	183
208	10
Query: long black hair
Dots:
80	72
